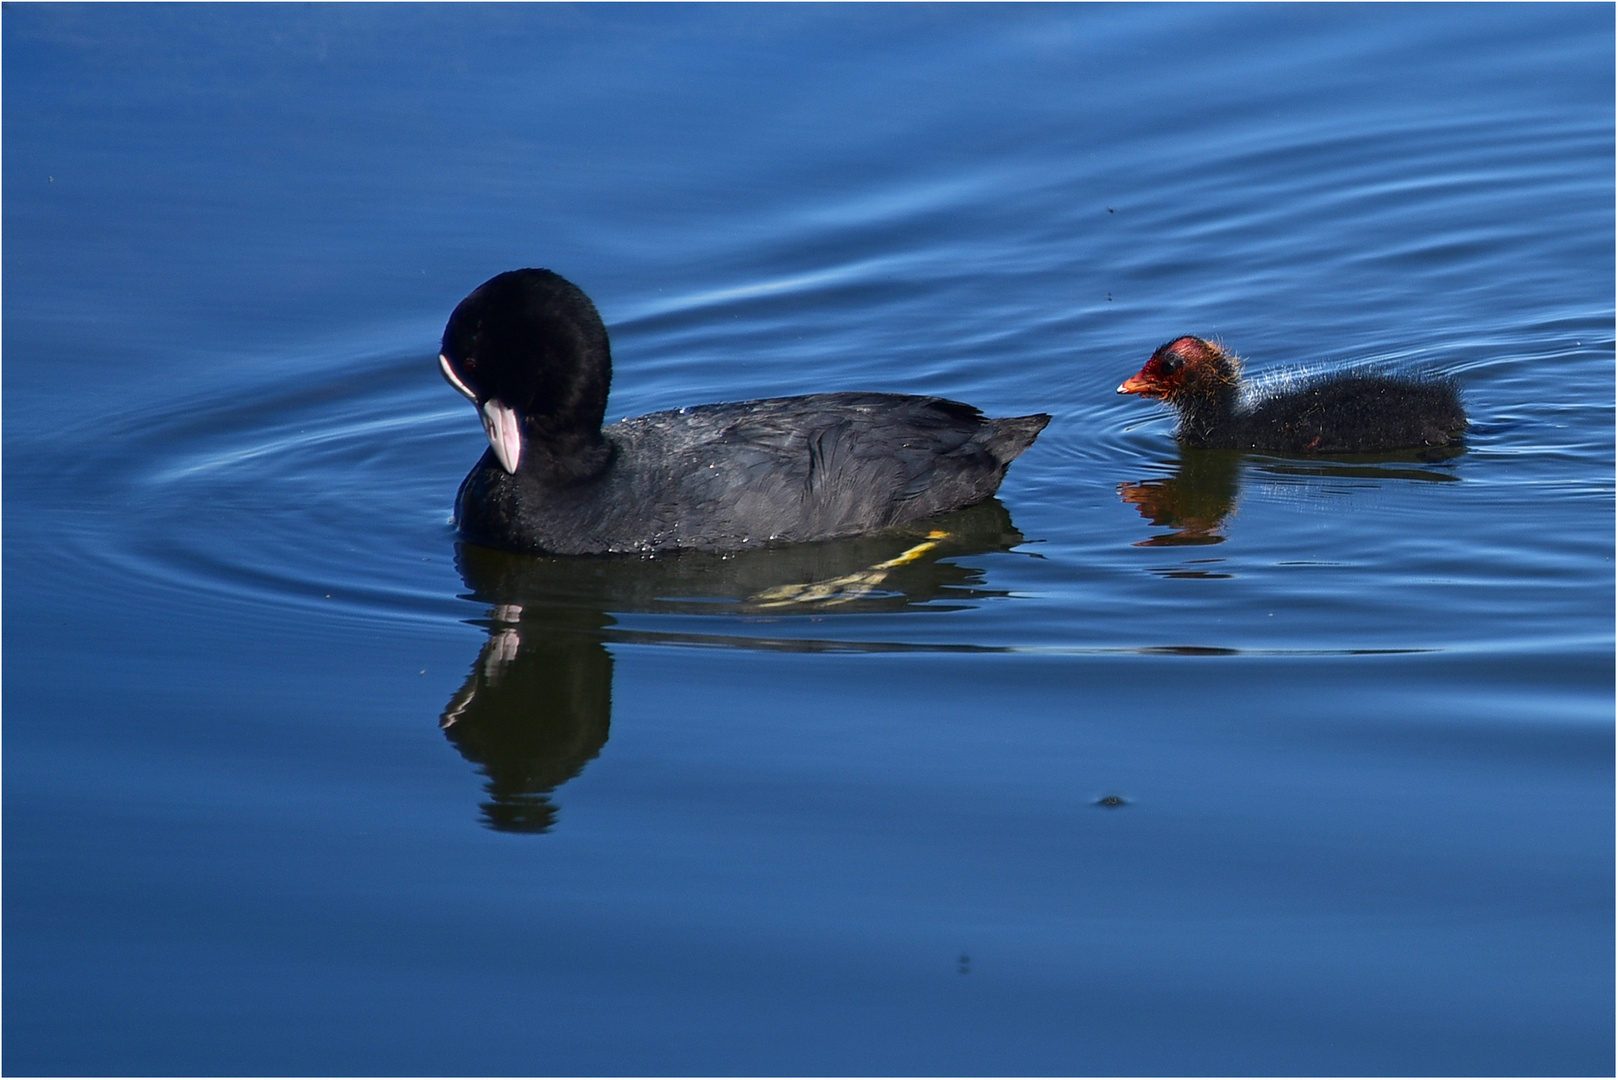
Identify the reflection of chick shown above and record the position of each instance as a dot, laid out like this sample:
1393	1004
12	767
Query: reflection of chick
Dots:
1194	502
534	710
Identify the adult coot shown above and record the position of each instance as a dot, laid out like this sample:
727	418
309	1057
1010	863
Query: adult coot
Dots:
1347	412
530	351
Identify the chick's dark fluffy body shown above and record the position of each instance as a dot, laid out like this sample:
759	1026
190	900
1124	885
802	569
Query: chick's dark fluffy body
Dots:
1348	413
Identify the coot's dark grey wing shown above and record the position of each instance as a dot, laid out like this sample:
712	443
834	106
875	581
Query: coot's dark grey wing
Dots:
829	464
729	476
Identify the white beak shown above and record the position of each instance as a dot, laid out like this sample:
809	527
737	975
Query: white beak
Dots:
499	420
449	373
505	433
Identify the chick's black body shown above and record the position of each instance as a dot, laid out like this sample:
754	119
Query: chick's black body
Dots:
1350	413
713	477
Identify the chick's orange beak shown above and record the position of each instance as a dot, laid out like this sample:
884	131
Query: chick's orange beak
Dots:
1139	383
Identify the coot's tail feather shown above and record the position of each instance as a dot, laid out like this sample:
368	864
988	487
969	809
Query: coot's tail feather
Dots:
1008	436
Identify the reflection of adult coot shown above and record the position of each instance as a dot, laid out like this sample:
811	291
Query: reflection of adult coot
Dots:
533	711
537	704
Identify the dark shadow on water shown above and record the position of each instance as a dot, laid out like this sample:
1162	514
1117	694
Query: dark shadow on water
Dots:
1197	501
537	705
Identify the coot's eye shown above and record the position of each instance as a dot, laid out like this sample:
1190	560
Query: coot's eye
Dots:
1171	364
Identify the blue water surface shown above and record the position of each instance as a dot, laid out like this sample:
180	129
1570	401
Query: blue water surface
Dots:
1163	762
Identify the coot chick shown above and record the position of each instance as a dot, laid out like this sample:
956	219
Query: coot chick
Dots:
1348	412
530	351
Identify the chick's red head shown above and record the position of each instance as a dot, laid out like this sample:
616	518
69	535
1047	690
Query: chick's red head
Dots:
1179	366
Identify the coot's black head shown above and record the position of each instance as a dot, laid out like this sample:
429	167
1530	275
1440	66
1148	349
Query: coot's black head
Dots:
1184	366
530	351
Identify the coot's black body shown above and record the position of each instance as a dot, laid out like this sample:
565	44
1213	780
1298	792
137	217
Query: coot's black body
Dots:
530	351
1347	412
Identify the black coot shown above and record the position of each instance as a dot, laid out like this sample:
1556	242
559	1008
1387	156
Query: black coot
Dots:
1347	412
529	350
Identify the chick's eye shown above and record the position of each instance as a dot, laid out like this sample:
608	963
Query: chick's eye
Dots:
1171	364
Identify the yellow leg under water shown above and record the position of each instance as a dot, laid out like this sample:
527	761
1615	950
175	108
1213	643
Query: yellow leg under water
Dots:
840	590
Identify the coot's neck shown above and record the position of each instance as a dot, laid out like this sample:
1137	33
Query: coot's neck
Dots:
563	456
570	376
